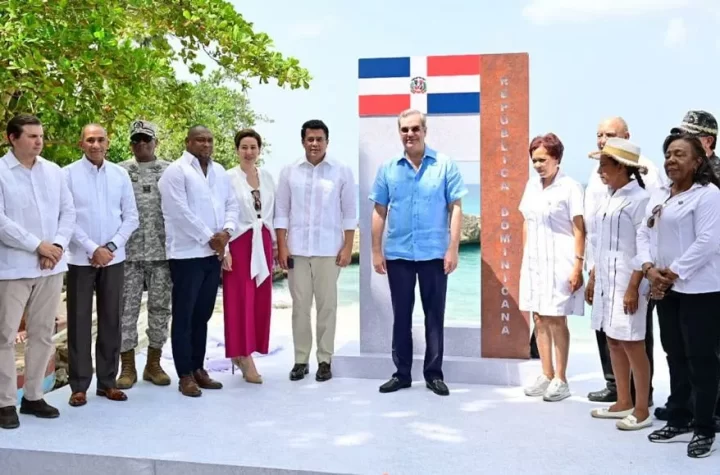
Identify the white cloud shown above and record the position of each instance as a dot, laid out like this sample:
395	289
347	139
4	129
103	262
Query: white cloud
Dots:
557	11
676	33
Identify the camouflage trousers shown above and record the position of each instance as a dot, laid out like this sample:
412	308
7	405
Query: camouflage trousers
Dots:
156	276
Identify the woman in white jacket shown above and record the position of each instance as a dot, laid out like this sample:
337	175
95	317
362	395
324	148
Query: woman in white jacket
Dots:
247	268
678	245
615	289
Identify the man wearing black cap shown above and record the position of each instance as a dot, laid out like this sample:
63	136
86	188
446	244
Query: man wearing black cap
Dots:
704	126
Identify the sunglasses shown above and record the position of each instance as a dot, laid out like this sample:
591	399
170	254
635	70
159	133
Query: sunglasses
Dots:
656	212
136	139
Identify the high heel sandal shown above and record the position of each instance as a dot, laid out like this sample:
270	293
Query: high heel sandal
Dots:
244	365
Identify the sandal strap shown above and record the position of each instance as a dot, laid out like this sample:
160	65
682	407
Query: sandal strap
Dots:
700	444
667	432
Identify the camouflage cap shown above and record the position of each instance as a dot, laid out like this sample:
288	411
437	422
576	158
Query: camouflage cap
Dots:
697	122
143	127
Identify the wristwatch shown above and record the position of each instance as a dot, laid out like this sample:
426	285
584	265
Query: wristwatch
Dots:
111	246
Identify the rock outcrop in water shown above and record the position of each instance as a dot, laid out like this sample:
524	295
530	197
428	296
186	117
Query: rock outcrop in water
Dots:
470	234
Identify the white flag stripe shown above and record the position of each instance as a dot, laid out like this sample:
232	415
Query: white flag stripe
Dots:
419	102
435	84
418	66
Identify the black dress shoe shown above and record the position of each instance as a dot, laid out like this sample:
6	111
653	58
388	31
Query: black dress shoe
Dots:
323	372
438	387
9	418
394	385
38	408
662	413
604	395
298	372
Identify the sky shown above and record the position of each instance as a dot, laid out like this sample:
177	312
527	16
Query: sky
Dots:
649	61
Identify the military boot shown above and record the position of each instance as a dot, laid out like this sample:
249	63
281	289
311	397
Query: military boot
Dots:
153	371
128	374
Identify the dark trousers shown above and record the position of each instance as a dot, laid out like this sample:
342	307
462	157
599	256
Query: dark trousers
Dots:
607	363
195	287
107	284
690	336
402	276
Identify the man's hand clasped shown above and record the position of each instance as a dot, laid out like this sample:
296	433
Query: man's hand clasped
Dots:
218	242
49	255
101	257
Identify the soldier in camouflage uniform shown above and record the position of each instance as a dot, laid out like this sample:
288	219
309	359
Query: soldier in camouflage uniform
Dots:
146	265
703	125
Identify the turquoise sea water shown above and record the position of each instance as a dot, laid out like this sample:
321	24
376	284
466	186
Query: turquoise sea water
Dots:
463	299
464	295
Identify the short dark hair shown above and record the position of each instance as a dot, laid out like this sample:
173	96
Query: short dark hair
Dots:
247	133
552	144
15	126
314	124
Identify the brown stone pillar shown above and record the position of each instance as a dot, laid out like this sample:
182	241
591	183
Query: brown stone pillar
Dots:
504	139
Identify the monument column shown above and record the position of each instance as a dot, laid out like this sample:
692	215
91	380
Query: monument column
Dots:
504	173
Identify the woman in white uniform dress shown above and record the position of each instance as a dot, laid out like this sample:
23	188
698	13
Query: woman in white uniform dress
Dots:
551	282
616	289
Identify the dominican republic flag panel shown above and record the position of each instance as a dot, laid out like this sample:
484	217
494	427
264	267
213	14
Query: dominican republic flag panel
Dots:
435	85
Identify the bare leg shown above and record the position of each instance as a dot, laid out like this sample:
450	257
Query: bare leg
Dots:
621	370
640	366
543	336
561	338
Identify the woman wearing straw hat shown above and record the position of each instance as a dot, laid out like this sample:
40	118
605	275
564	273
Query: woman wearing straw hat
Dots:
616	289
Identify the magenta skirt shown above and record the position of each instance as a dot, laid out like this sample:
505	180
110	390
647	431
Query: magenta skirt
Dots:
247	307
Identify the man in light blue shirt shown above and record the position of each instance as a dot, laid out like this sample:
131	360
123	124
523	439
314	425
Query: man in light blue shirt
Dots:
417	194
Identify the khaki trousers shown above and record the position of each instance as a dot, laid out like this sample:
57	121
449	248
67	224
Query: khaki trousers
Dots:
314	277
41	296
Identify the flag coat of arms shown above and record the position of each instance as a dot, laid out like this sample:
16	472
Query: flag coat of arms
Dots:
435	85
445	88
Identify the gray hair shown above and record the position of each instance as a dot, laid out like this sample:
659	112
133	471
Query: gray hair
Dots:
410	112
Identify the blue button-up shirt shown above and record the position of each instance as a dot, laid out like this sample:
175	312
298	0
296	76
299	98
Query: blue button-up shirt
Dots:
417	201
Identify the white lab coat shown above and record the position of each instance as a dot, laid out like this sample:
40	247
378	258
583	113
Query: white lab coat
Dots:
617	220
549	254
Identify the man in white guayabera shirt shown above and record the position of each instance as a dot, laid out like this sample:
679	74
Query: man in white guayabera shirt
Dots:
107	216
200	211
37	218
315	222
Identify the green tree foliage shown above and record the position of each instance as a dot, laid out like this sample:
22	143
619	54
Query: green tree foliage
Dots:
212	103
72	62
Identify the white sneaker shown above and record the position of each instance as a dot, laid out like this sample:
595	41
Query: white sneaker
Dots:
556	391
539	387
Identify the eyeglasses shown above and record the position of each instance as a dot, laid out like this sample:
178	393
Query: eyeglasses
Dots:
656	212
